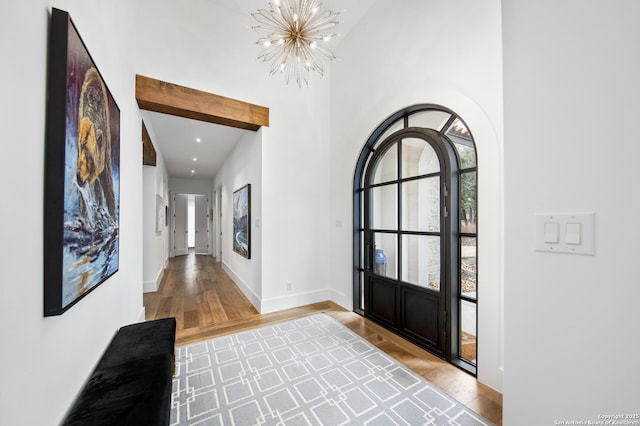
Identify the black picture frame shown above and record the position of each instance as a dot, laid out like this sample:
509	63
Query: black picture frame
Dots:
242	221
82	172
166	216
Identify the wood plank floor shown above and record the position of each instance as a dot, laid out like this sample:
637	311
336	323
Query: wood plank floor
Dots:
197	292
206	304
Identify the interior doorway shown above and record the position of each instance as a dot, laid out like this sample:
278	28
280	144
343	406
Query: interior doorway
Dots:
190	224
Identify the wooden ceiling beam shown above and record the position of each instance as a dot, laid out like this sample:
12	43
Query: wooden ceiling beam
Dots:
168	98
148	151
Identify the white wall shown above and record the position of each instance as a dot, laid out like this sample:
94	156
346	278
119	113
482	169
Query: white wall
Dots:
47	360
410	52
190	186
155	244
243	166
571	105
295	194
177	43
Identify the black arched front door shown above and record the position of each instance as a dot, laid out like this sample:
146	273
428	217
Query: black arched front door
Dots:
407	235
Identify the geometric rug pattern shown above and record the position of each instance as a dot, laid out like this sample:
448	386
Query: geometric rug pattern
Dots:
309	371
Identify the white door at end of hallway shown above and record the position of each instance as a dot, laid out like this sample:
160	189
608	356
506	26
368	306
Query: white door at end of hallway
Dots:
180	236
202	224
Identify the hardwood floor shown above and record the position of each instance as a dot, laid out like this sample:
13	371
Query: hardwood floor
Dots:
206	304
197	292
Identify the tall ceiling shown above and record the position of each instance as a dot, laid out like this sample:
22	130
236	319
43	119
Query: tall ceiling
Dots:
175	137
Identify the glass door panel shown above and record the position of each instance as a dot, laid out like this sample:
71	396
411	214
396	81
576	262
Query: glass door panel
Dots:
467	155
468	273
418	158
468	327
386	169
468	202
399	125
429	119
421	260
421	205
385	257
384	207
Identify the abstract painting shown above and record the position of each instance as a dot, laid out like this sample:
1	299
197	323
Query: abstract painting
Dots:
82	172
242	221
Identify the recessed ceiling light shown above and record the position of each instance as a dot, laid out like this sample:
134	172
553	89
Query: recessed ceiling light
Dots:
198	140
195	159
193	171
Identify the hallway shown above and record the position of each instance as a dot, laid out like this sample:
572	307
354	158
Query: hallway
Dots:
198	293
206	304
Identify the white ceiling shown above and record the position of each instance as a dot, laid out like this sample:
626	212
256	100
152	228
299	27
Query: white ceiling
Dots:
175	137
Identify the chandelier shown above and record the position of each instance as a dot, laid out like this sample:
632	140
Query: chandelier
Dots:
292	33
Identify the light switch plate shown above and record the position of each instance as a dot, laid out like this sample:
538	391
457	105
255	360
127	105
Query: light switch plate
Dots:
576	233
551	232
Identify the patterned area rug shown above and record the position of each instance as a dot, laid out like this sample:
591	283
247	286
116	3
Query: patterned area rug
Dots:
310	371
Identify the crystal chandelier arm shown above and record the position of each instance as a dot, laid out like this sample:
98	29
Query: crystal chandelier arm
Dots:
271	32
310	61
319	20
323	51
286	11
276	54
269	21
279	63
270	39
267	55
313	61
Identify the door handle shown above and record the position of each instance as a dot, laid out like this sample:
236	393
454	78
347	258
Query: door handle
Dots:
367	258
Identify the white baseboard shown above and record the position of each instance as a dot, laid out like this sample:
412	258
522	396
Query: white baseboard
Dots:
249	294
294	300
274	304
150	286
341	299
154	285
